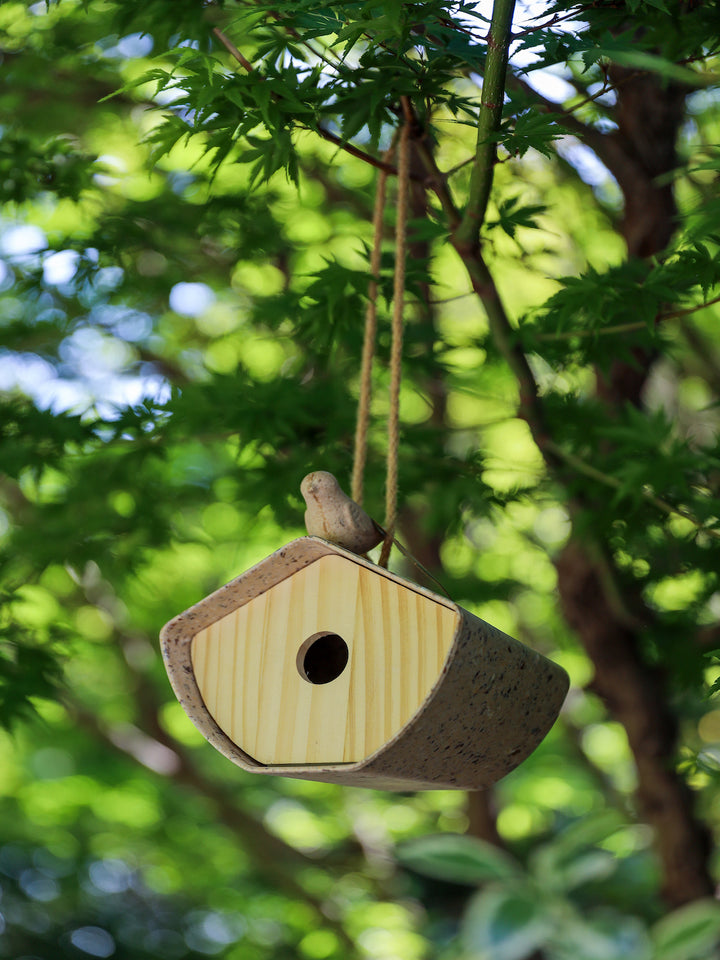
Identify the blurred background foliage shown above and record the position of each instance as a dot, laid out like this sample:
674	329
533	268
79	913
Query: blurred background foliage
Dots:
183	277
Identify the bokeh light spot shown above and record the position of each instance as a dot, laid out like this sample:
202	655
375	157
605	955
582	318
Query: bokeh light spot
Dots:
94	941
22	240
191	299
59	268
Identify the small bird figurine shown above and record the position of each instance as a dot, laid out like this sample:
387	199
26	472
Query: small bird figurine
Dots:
332	515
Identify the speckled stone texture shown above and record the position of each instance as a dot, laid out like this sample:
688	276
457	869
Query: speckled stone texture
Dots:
493	702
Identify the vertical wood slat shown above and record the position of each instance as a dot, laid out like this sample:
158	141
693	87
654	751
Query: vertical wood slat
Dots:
246	664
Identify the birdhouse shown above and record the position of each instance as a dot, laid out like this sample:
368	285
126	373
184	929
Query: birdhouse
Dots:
317	664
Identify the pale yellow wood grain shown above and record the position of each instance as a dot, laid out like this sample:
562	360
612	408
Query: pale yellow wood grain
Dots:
247	671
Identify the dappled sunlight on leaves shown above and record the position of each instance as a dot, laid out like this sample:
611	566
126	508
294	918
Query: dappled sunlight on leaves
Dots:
187	196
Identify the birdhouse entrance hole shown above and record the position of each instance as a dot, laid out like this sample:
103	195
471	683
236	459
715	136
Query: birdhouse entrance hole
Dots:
322	658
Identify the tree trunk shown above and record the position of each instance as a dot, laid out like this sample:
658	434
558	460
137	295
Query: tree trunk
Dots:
648	114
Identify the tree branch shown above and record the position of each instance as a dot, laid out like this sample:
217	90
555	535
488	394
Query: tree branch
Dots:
636	696
634	692
530	406
272	853
353	150
490	115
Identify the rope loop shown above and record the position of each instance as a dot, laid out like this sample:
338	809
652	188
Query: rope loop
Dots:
391	480
369	336
368	350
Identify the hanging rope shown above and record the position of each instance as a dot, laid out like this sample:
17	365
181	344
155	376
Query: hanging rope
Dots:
363	414
368	351
391	481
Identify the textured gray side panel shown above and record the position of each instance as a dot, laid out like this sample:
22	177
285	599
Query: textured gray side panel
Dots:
496	701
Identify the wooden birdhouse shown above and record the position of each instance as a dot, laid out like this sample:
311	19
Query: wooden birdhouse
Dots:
320	665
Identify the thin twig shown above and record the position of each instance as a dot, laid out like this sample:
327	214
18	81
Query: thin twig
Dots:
503	335
459	166
233	50
459	296
626	327
607	148
355	151
688	310
557	18
530	403
606	88
601	331
588	470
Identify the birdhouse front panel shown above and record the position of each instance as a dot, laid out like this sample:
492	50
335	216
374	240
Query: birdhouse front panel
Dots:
324	667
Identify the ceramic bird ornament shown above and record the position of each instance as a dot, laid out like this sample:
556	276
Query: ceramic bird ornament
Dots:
333	516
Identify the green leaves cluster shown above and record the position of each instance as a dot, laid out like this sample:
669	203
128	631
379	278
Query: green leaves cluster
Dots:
31	667
28	167
519	910
670	31
601	316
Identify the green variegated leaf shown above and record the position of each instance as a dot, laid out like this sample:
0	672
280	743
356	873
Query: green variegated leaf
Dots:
603	935
691	932
505	923
459	859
